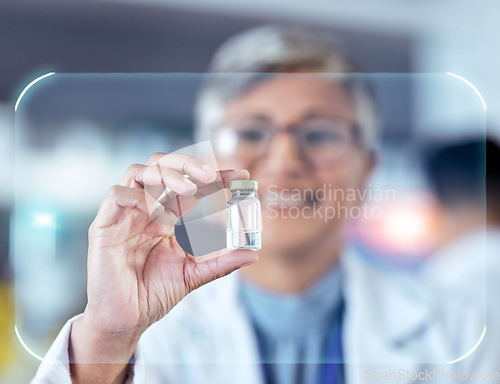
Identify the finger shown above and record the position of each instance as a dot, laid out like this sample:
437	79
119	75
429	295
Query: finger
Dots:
184	164
154	157
217	264
120	198
181	205
222	181
156	178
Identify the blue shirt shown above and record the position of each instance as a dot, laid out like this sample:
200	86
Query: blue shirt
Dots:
295	332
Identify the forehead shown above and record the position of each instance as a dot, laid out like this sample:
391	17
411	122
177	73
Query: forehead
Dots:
289	97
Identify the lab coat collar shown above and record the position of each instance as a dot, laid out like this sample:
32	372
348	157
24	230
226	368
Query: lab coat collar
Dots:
393	302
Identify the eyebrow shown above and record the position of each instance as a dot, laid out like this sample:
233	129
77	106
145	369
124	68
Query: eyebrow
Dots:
309	115
322	114
258	117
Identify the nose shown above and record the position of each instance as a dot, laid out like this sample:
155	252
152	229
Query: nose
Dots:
283	155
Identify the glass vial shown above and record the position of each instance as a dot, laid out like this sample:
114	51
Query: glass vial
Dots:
244	222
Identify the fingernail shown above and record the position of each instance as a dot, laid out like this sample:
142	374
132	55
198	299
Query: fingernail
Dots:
207	168
248	263
155	208
189	183
244	170
157	212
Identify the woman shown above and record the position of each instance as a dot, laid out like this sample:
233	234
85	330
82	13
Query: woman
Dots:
309	304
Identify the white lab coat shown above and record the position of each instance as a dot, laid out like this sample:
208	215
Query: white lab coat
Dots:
391	323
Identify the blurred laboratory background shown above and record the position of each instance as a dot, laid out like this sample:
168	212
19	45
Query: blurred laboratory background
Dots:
437	83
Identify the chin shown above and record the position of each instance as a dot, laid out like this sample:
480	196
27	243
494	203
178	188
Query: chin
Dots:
283	234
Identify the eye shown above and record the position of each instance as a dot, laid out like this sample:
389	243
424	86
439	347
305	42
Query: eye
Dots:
323	137
252	135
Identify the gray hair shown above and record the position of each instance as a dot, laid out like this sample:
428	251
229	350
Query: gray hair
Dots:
261	51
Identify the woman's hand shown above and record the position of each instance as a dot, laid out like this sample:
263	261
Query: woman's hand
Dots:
137	272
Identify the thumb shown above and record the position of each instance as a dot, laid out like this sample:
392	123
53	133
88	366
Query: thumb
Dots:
217	264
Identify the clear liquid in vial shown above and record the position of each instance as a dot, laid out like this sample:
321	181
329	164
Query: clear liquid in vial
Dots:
243	239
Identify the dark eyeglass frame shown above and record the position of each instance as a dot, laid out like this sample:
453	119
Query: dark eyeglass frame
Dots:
273	129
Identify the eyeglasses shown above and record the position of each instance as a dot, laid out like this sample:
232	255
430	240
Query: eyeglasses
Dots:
321	141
